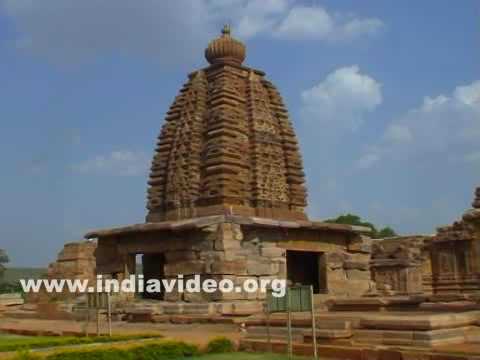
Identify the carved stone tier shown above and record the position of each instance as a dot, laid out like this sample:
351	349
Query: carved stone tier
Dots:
227	146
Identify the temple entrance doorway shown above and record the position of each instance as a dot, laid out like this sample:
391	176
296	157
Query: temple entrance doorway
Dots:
307	268
151	266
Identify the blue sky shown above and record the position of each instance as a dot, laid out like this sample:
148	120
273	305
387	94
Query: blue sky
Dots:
385	98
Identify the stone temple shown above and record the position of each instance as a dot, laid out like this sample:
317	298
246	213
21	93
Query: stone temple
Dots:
226	194
226	200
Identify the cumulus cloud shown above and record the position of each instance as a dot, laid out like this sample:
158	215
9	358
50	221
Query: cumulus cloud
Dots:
71	31
442	127
317	23
116	163
342	98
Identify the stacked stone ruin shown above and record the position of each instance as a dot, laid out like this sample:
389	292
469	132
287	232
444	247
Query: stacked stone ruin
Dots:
399	264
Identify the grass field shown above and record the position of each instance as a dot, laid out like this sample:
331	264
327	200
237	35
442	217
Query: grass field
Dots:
14	342
14	274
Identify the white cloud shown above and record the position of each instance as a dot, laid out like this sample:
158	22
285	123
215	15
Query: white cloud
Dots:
317	23
358	27
398	134
442	127
72	31
259	16
468	94
368	160
473	157
117	163
306	22
342	99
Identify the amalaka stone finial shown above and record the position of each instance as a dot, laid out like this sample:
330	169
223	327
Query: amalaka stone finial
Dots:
225	49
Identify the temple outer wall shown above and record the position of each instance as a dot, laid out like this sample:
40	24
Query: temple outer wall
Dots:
238	252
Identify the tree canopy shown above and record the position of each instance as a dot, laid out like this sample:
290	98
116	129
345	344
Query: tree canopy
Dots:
352	219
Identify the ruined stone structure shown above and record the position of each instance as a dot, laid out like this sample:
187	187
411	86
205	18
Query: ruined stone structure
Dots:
455	251
226	194
399	264
75	261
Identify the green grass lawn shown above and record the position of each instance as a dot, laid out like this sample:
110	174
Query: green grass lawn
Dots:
14	342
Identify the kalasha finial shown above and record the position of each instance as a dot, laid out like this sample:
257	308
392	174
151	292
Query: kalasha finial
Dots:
476	202
226	29
225	49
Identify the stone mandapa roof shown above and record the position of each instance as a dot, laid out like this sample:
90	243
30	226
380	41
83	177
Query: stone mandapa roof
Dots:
227	143
200	222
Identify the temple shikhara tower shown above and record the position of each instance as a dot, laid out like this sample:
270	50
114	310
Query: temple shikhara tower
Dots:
227	146
226	194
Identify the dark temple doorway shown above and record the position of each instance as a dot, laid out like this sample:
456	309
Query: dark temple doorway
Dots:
307	268
153	268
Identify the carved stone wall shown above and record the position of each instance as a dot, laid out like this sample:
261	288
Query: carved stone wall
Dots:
227	146
455	254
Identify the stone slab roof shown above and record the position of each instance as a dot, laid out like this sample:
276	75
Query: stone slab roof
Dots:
200	222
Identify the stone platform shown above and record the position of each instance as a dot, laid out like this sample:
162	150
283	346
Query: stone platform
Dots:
406	328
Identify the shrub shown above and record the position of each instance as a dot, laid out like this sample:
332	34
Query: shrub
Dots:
166	350
220	345
25	354
106	354
10	287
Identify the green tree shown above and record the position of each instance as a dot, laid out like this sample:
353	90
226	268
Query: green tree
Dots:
386	232
352	219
